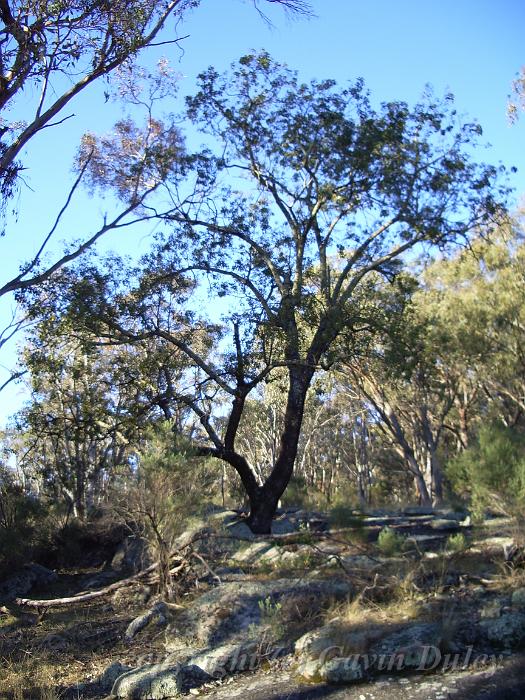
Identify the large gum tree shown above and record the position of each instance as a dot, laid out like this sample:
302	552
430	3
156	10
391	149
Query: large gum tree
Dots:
306	193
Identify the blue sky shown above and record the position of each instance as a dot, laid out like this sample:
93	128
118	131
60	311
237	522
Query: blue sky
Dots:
472	48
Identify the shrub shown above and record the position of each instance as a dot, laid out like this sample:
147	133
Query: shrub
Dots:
390	542
171	486
342	516
456	542
491	473
271	616
21	519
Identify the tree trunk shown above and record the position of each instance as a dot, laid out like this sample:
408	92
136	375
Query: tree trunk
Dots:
263	505
264	500
421	487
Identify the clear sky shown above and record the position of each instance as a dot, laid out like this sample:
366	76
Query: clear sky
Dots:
472	48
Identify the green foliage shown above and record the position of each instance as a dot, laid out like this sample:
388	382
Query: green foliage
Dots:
491	473
390	542
339	193
299	494
271	616
21	523
342	516
172	483
456	542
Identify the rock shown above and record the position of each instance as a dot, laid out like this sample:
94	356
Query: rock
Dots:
54	642
159	612
168	679
335	670
283	556
253	552
232	523
132	555
151	682
107	678
414	647
103	683
100	580
227	659
361	561
506	631
179	653
283	526
341	670
449	514
418	510
20	583
309	669
335	640
225	613
518	598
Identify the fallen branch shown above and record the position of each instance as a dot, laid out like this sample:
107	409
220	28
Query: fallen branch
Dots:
85	596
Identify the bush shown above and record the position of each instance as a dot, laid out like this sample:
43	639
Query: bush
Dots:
390	542
491	473
342	516
456	543
171	486
21	519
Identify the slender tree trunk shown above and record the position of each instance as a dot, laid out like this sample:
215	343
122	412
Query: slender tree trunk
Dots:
422	490
437	480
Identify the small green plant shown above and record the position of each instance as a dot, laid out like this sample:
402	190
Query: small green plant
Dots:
390	542
271	616
456	543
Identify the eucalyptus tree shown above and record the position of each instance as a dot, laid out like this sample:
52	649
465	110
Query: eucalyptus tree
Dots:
476	302
311	191
89	407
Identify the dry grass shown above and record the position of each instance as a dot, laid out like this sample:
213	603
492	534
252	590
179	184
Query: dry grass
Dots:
34	677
